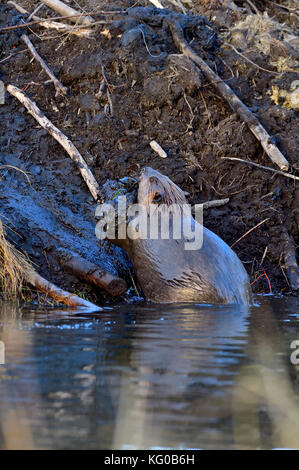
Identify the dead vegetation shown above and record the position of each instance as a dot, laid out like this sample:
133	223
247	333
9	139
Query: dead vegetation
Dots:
14	267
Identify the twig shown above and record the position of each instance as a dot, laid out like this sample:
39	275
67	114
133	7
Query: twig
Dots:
249	231
264	255
280	46
12	55
250	61
46	23
179	5
35	11
60	89
283	173
215	203
292	10
158	149
91	273
145	43
65	10
235	103
134	284
252	5
60	137
54	292
264	274
17	169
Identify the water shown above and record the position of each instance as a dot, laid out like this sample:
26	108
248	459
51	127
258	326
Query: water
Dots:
144	376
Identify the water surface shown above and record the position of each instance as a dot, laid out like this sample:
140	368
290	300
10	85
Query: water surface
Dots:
144	376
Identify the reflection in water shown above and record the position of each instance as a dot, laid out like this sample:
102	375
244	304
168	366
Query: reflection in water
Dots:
183	376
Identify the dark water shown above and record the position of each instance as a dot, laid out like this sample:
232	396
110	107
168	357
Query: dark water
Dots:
151	376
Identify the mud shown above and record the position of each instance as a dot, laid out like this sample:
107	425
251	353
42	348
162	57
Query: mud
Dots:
153	94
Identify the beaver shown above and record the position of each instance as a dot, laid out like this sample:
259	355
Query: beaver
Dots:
167	271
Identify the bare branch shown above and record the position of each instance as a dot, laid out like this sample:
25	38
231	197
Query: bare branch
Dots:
235	103
60	89
60	137
59	295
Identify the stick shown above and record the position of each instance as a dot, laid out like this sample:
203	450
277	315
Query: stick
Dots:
35	11
235	103
60	137
60	89
65	10
45	23
215	203
252	5
262	167
292	10
56	293
290	261
249	231
250	61
12	55
91	273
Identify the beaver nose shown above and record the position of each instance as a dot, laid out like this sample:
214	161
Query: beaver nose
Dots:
148	171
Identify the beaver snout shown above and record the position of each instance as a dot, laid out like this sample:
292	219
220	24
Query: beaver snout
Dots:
147	172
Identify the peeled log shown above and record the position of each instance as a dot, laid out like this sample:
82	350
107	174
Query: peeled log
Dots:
57	294
91	273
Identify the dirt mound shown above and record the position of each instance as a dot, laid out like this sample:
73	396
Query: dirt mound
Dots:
128	86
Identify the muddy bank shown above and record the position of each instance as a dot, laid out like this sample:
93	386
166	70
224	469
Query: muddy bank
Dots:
151	93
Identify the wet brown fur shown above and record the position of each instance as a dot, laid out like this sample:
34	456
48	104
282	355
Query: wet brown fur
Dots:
149	186
167	272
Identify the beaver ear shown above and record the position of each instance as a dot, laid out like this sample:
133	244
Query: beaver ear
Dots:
157	197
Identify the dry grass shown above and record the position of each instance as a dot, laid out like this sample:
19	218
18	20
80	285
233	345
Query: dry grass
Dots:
13	267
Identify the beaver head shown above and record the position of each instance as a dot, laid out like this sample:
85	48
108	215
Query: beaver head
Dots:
155	188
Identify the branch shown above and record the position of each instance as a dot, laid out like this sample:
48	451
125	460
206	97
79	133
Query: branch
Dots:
50	24
64	141
60	89
262	167
235	103
215	203
56	293
249	231
65	10
91	273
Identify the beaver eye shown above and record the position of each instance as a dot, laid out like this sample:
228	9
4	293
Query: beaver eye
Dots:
157	197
